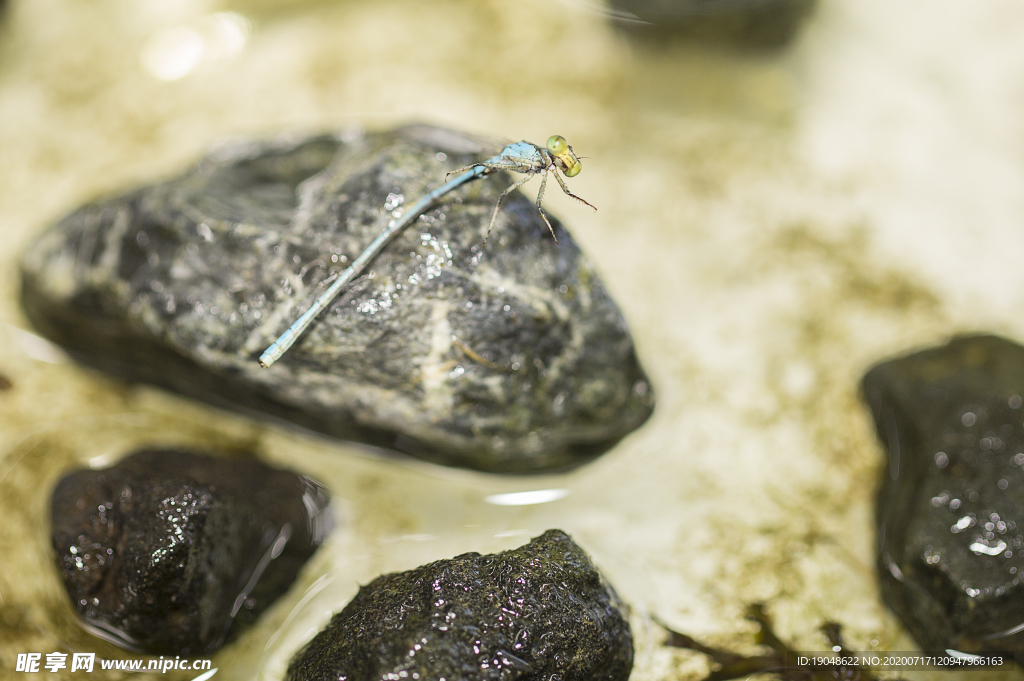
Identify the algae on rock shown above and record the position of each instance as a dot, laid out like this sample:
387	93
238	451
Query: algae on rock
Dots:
538	612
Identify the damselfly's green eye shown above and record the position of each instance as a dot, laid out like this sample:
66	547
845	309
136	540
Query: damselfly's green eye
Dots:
557	145
565	159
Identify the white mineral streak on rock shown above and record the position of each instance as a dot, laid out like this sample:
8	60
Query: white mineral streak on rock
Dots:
435	370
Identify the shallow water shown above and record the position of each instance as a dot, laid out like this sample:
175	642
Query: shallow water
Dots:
770	226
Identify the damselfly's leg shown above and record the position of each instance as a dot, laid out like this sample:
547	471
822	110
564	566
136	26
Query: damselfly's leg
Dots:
540	197
460	170
494	215
565	189
490	166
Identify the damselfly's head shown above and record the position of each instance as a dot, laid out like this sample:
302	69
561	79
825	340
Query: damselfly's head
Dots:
565	159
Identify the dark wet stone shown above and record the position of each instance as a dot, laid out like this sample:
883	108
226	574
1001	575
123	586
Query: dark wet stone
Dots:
513	360
538	612
951	505
174	553
741	23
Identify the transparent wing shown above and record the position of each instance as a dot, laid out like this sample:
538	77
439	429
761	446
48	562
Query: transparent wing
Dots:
454	142
591	7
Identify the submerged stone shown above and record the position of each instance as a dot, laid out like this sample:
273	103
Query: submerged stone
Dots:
174	553
508	359
951	504
740	23
539	612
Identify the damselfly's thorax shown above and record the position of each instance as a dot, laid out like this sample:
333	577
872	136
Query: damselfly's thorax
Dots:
521	157
527	157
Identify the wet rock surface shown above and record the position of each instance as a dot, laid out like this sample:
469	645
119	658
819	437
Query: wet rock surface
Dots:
951	508
541	611
755	24
510	359
174	553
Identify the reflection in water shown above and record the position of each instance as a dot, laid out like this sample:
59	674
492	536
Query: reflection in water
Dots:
174	53
540	496
36	347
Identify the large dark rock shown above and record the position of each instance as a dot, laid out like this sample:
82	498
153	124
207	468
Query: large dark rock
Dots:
174	553
758	24
513	359
536	613
951	505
